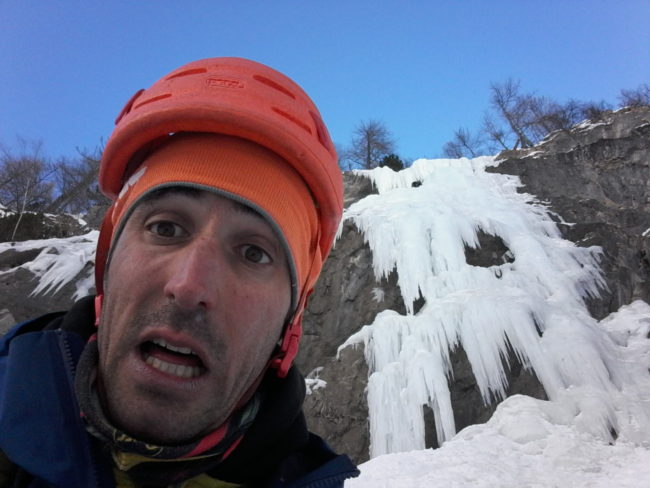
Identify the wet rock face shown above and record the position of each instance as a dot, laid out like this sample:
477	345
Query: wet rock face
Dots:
339	411
597	179
6	320
347	295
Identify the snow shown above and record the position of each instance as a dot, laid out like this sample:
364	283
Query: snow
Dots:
587	125
60	261
532	308
378	294
313	382
535	443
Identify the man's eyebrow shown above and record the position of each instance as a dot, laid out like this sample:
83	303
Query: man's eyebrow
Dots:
196	193
172	190
245	209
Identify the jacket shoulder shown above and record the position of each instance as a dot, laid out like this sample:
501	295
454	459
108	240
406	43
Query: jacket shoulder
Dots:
315	465
42	432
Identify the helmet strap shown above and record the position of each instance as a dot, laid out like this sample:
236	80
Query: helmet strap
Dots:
103	248
283	359
291	339
99	300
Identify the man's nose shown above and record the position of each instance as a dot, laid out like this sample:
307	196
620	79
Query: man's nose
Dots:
194	274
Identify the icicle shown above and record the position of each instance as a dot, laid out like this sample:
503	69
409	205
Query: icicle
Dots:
61	261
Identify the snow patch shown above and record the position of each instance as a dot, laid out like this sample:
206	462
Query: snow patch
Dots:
313	382
526	443
587	125
378	294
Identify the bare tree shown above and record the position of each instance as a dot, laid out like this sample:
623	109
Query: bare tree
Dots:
76	182
496	136
595	111
25	177
636	97
464	144
514	109
545	116
520	120
370	143
345	162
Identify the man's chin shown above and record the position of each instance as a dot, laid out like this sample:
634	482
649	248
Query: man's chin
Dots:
160	431
155	418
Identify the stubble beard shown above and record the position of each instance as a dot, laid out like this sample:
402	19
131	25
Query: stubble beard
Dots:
150	414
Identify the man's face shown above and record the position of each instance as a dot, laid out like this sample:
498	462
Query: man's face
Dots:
197	293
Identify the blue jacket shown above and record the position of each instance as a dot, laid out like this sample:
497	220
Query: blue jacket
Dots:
41	430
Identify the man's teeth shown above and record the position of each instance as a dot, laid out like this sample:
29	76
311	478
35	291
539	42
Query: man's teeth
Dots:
165	344
179	370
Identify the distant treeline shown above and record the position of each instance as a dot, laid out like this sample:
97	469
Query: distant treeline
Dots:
517	120
30	181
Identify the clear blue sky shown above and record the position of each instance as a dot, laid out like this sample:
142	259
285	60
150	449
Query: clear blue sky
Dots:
422	67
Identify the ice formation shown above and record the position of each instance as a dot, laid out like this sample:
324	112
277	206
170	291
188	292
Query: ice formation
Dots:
60	261
530	442
532	307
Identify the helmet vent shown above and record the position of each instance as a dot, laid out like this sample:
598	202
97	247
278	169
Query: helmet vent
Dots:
293	119
274	85
129	104
154	99
321	131
187	72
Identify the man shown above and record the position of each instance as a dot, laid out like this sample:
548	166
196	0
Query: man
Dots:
226	200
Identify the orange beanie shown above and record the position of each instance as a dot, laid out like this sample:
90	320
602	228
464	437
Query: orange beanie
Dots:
242	170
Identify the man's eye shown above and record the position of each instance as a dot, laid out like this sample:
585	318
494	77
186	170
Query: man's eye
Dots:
166	229
255	254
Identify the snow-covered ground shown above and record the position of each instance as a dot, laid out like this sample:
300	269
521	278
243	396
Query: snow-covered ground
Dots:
594	431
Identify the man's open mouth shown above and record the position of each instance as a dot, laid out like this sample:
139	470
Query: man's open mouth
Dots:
178	361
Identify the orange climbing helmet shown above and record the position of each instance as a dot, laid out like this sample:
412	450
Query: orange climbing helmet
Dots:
231	97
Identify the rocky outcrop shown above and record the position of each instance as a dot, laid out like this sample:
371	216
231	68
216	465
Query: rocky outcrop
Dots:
34	225
596	178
